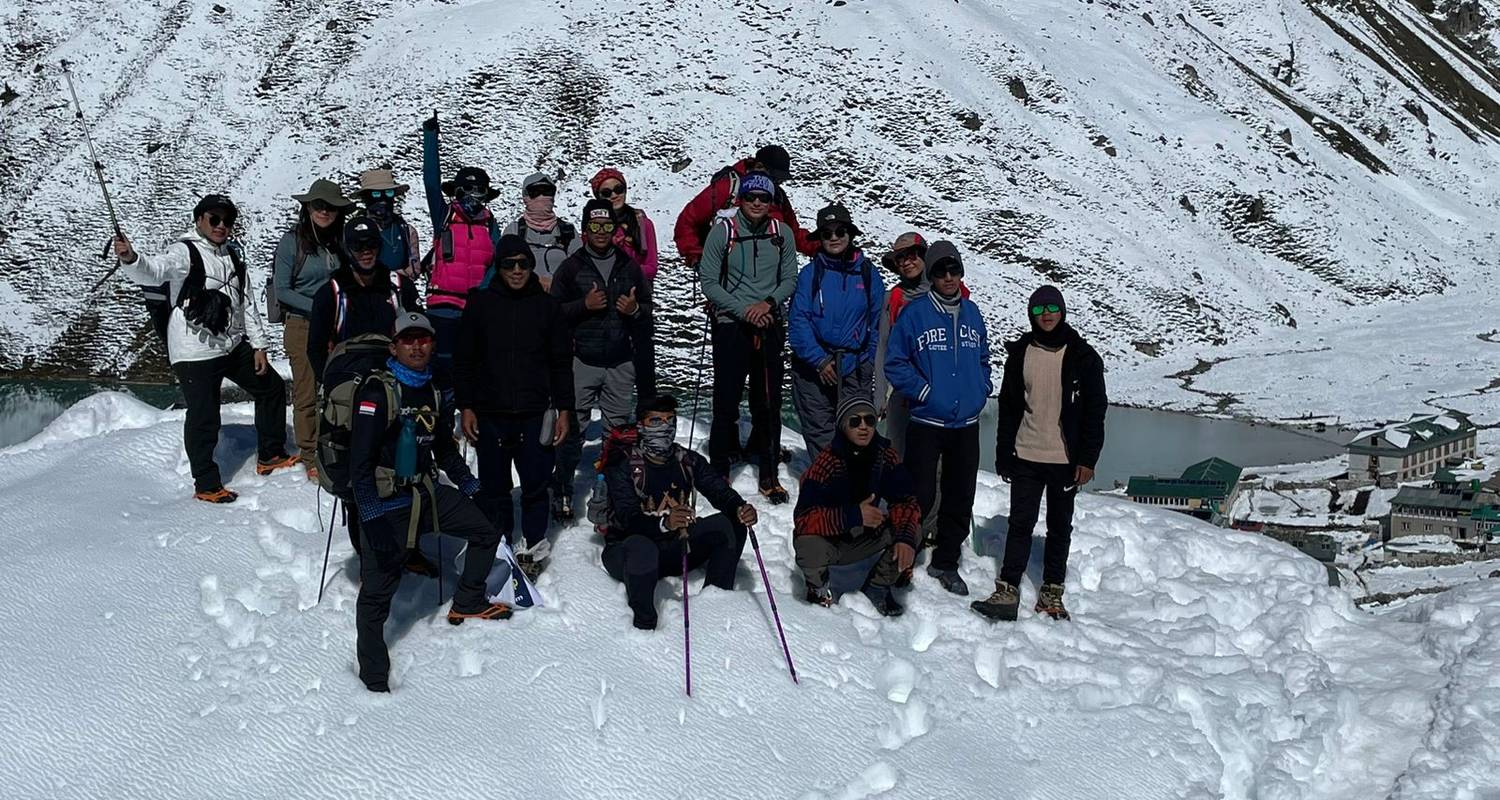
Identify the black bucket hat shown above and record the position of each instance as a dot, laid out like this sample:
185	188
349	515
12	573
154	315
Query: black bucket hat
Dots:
830	215
471	177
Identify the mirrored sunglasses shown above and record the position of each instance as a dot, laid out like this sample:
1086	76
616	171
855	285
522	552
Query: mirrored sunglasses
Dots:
1050	308
601	227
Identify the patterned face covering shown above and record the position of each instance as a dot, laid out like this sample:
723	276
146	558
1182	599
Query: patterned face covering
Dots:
657	440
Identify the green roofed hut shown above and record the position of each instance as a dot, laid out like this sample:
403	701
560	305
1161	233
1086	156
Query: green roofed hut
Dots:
1206	490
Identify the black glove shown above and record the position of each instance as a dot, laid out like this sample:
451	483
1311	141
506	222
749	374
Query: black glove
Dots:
386	545
1005	467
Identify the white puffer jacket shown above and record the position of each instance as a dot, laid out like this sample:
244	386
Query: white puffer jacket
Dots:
186	342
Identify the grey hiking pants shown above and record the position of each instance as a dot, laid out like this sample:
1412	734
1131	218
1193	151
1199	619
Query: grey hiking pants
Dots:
817	402
609	389
815	554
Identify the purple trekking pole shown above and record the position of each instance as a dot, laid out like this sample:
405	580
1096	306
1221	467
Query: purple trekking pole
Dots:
771	596
687	641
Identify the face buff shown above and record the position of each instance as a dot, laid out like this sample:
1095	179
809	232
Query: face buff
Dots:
657	441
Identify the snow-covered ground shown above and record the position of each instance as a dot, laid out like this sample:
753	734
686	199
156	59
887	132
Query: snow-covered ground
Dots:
159	647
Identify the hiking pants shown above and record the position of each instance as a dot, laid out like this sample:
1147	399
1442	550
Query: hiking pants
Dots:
201	383
742	351
456	516
954	451
897	420
503	441
444	321
304	385
817	402
1027	486
815	554
639	561
609	389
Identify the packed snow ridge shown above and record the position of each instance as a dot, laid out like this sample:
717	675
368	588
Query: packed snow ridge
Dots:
159	647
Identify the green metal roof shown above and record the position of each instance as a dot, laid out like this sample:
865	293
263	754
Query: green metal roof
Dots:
1428	497
1206	480
1486	514
1418	433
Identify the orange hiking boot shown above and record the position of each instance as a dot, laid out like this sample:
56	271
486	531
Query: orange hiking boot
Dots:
219	495
278	462
493	611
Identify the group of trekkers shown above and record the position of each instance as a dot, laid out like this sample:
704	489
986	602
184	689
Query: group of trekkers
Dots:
526	324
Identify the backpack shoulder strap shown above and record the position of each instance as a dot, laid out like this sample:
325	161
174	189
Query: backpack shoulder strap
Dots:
638	472
565	233
196	276
392	389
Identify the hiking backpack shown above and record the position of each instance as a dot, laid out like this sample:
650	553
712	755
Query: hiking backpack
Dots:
566	233
624	439
733	237
352	362
274	311
204	307
341	302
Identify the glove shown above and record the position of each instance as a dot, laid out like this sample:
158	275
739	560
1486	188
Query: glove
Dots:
1005	467
387	547
470	487
431	123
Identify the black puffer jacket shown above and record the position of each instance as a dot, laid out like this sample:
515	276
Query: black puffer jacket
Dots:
607	338
512	355
1084	402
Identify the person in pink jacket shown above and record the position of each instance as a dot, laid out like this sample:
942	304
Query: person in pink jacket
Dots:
636	234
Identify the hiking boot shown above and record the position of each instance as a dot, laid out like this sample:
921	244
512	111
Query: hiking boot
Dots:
379	686
219	495
949	580
1004	604
884	600
562	508
643	622
494	611
533	559
819	595
312	473
771	489
274	463
419	564
1049	601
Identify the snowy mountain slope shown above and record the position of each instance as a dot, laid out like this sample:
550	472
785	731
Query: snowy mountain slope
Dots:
162	647
1195	173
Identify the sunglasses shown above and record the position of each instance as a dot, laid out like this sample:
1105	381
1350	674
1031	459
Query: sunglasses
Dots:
605	192
755	197
837	232
601	227
861	421
414	339
323	206
541	190
376	194
473	190
1050	308
515	263
914	252
214	220
944	270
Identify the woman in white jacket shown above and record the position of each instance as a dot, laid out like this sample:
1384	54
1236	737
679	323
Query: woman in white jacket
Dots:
213	334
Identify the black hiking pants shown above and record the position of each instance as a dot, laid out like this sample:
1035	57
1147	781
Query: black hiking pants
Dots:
954	451
503	441
1028	484
743	351
639	561
380	577
202	382
815	554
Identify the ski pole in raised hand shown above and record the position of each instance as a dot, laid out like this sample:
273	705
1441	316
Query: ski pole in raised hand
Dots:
771	596
94	155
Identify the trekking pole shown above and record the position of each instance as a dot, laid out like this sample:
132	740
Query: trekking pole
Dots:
771	596
708	322
687	641
98	165
332	514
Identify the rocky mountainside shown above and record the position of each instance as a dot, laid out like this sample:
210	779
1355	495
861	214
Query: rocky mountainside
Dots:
1193	173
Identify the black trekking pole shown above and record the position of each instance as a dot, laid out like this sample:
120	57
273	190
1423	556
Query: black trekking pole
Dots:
88	138
708	322
332	515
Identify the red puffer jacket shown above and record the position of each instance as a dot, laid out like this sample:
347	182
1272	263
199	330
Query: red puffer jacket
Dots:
698	215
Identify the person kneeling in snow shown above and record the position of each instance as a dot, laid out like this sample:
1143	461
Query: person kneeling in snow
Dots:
839	521
651	480
399	439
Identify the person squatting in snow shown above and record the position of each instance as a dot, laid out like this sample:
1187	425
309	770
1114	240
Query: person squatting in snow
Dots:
401	436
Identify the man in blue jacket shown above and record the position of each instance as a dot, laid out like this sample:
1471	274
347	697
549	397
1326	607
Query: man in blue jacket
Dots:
833	328
939	360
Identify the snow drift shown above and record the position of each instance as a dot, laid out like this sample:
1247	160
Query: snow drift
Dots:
165	648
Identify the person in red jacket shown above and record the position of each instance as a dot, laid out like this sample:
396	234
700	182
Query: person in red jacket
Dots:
723	193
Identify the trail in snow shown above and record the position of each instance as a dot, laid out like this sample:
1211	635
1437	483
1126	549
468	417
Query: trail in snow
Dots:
161	647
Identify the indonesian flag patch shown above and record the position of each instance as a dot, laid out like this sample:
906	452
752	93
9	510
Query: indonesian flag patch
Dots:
367	407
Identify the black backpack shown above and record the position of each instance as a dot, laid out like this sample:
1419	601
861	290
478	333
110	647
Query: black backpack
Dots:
566	233
352	362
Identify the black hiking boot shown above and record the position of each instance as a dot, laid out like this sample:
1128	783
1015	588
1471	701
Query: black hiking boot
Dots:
819	595
419	564
1049	601
562	508
950	581
884	600
772	490
1004	604
644	622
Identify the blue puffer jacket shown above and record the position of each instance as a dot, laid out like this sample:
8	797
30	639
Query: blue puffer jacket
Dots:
839	310
942	368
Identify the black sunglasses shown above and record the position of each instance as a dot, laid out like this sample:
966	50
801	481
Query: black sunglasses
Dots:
836	232
515	262
541	190
947	268
1050	308
618	190
756	197
916	251
324	205
214	220
861	420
